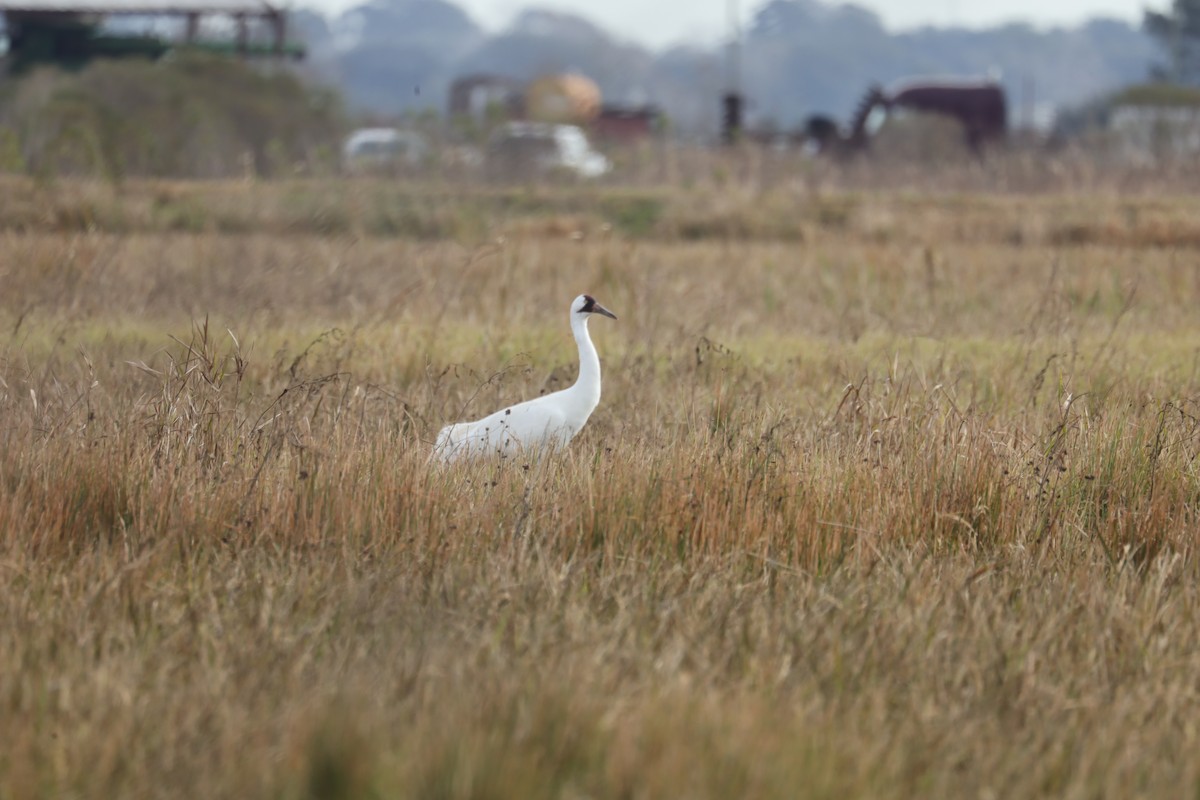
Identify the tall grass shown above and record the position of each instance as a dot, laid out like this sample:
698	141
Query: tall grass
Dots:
904	505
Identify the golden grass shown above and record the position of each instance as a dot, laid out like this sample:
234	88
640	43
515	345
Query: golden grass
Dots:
899	500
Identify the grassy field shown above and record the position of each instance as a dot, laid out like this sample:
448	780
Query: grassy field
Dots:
890	493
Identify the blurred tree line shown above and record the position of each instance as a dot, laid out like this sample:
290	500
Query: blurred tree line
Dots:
799	57
1177	32
187	115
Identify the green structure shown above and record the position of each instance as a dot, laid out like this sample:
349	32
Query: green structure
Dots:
70	33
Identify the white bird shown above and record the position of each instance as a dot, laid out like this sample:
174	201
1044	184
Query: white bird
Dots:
548	421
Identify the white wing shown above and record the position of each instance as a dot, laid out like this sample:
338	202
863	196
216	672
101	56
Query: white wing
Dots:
534	423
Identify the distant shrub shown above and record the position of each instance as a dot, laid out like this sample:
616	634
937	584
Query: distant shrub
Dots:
1157	95
190	115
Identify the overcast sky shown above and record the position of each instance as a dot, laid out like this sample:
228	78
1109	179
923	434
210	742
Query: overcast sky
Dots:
659	22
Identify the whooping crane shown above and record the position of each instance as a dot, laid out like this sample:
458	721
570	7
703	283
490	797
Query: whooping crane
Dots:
548	421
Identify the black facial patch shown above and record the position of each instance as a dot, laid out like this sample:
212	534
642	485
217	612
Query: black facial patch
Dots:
589	304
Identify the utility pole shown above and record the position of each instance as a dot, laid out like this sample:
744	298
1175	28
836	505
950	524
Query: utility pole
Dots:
1029	102
731	102
1177	47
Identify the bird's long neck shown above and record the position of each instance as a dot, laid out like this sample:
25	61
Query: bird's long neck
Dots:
588	382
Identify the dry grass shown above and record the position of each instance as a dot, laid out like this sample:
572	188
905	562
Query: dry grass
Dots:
897	498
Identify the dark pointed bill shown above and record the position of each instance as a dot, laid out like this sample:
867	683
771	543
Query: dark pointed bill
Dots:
599	309
590	306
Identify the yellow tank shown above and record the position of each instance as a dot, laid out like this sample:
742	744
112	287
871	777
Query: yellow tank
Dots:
565	99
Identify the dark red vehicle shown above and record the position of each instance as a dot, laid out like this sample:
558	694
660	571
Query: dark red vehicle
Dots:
981	107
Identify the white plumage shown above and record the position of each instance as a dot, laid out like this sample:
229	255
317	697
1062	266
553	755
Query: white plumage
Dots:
548	421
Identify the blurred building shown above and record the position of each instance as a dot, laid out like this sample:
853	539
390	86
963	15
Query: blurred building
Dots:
70	33
478	96
1156	123
556	99
625	124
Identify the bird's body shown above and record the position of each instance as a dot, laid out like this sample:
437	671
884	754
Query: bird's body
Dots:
550	421
532	423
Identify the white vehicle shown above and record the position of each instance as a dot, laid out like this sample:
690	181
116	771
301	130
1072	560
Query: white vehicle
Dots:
383	147
518	149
